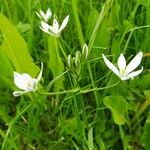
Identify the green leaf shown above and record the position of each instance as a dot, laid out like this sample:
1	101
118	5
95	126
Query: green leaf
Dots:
6	71
15	48
144	82
103	35
146	135
4	116
118	108
90	138
55	62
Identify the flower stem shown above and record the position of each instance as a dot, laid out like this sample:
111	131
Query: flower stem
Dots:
144	105
14	121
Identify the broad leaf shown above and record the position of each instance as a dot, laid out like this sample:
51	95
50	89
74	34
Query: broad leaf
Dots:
118	108
6	71
15	48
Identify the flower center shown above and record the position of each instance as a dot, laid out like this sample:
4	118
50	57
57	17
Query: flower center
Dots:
29	84
122	71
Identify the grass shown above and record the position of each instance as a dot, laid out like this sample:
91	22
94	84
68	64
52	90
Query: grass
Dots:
85	106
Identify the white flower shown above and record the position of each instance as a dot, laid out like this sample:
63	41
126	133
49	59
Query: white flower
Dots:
54	29
25	82
44	16
125	72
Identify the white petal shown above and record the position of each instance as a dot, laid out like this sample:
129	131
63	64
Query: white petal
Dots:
26	77
44	26
48	14
55	25
111	66
134	62
53	31
64	23
135	73
121	62
123	78
18	93
42	14
19	81
30	83
48	29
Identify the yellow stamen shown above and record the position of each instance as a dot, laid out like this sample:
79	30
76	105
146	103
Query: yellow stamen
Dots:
29	84
122	71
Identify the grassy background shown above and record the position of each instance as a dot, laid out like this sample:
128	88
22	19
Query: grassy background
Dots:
105	113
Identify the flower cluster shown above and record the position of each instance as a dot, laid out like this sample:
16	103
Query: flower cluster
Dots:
54	29
28	84
78	58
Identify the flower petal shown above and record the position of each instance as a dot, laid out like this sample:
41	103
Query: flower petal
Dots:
52	31
44	27
48	14
134	62
111	66
64	23
29	82
121	62
19	81
55	26
123	78
42	14
18	93
135	73
26	77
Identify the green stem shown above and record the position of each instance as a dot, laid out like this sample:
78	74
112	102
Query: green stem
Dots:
93	84
77	116
80	90
140	111
100	18
14	121
58	93
55	79
98	89
122	137
144	105
62	50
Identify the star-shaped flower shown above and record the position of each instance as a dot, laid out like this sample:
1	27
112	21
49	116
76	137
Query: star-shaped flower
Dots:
54	29
125	72
25	82
44	16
